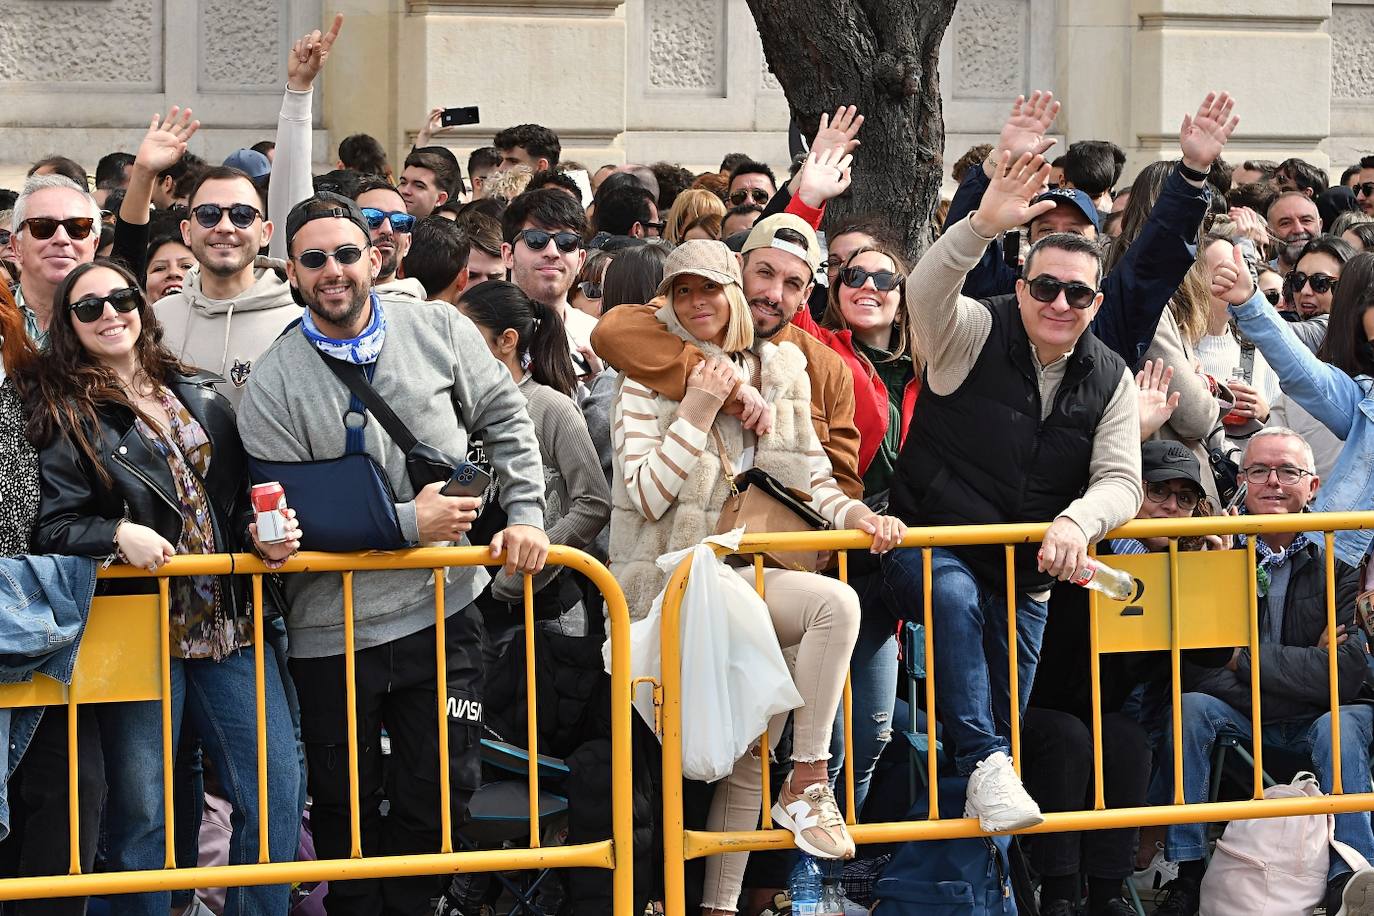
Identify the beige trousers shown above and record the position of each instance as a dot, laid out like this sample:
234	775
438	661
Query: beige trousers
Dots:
820	617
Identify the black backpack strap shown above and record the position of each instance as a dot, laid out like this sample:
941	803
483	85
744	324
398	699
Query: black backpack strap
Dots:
353	376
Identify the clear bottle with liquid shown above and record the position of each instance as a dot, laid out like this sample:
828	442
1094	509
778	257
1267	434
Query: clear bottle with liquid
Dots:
1100	577
804	886
832	901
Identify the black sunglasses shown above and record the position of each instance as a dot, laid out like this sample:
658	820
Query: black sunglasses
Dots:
1273	295
883	280
314	258
538	240
400	220
241	215
759	196
657	227
44	227
4	237
590	289
1047	289
1364	190
90	308
1320	283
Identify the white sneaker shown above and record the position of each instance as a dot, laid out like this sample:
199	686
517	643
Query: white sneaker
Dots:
1358	897
1158	873
997	798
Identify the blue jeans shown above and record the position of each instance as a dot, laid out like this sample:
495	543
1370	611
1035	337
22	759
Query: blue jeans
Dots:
217	698
873	690
1205	718
972	689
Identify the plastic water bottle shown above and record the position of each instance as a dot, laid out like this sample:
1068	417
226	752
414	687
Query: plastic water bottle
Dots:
804	886
1102	578
832	901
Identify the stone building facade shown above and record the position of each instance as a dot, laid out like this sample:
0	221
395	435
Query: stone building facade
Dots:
682	80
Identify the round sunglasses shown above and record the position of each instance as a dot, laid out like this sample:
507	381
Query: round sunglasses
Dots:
1047	289
883	280
89	308
400	220
314	258
241	215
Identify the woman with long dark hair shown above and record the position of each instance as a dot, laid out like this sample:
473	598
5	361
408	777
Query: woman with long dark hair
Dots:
1336	385
140	459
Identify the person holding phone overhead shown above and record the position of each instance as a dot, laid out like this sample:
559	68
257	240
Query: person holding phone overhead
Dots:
433	369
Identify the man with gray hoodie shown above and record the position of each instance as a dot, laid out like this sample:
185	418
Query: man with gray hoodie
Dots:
433	368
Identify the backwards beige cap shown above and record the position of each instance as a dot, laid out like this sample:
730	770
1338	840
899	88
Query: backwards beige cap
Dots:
703	257
764	235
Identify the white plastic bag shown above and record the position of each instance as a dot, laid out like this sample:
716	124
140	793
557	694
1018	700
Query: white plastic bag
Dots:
734	676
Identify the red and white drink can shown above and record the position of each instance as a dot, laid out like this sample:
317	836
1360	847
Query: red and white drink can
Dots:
269	502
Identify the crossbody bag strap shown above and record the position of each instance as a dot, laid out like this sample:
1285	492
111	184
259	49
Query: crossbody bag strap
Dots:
723	455
357	383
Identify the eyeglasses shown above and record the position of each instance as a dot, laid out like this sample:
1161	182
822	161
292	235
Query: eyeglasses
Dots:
314	258
90	308
1364	190
590	289
400	220
883	280
538	240
657	227
1273	295
1185	499
1047	289
43	227
743	195
241	215
1286	473
1320	283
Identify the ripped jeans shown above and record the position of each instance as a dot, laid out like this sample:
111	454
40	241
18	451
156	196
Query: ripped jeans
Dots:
820	617
873	690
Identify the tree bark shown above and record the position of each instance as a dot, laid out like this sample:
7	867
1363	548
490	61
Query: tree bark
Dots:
883	56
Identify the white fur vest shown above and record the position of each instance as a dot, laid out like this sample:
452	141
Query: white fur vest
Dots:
637	542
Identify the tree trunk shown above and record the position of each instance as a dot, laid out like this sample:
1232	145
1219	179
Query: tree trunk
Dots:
883	56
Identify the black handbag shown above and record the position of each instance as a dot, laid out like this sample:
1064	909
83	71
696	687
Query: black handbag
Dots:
425	464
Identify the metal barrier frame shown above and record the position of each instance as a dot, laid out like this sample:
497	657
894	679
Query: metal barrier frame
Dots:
616	853
680	844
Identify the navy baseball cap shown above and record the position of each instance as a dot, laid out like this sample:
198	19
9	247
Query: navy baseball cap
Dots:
1074	198
251	162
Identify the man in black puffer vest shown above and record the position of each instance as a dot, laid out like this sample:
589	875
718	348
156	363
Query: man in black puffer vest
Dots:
1024	416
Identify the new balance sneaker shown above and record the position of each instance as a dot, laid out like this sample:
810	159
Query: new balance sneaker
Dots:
997	798
815	821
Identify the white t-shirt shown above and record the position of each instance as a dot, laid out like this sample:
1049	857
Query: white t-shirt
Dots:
1220	358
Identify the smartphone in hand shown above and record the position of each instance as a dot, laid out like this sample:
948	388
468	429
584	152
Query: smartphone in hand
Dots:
456	117
468	480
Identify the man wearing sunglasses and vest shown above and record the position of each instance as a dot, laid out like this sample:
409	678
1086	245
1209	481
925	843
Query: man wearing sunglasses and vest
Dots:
1024	416
56	226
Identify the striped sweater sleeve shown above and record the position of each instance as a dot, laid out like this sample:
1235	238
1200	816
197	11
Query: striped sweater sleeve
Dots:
826	496
655	465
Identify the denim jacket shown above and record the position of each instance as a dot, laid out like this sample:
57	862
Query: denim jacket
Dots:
1343	404
44	602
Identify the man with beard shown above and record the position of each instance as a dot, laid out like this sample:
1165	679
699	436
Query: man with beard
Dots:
229	309
781	257
385	211
1293	222
433	368
55	226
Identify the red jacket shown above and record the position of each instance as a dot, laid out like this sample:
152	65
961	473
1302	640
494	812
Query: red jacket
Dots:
870	394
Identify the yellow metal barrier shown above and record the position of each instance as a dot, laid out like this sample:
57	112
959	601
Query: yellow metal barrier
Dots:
1154	622
124	657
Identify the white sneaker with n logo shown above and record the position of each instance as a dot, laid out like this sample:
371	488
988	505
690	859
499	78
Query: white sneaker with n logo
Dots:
815	821
998	799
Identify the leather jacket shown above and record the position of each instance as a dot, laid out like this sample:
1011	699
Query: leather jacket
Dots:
78	512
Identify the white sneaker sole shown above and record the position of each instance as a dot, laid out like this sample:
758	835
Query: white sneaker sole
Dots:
1358	897
1030	819
783	819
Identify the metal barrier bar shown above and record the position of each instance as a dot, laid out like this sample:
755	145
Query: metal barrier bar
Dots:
847	707
260	712
1095	691
1256	720
932	749
615	854
1013	678
1331	647
1176	670
765	750
531	714
441	695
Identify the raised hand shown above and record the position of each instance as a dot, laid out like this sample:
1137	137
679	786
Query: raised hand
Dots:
1157	405
838	133
1025	129
308	55
165	143
824	176
1231	281
433	125
1203	135
1007	202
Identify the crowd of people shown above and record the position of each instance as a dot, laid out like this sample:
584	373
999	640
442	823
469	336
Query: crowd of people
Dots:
605	351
